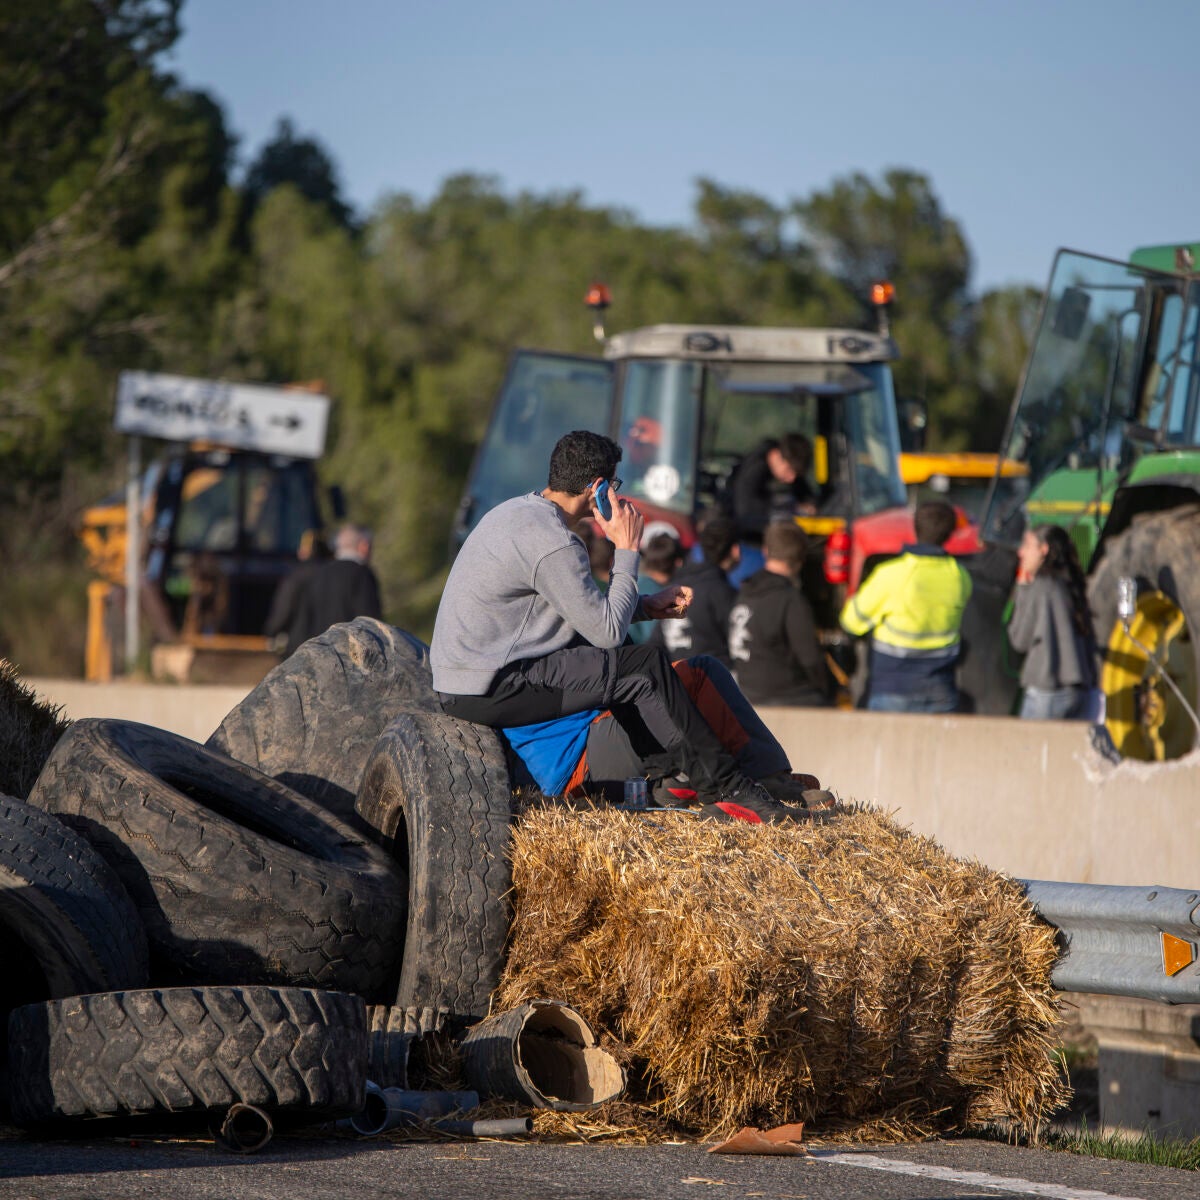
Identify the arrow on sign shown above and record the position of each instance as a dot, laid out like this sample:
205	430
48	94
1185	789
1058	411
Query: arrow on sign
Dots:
291	421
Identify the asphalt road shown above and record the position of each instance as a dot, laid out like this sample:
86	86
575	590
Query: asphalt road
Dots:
312	1168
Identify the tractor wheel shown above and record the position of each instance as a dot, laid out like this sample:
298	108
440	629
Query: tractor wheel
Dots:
1145	716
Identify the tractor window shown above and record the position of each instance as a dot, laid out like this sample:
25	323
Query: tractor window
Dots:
278	507
848	413
873	435
208	509
231	503
544	396
659	414
1080	391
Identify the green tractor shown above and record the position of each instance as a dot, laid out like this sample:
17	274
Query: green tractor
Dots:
1107	419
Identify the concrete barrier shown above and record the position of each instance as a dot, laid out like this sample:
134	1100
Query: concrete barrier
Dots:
1031	798
1028	797
193	711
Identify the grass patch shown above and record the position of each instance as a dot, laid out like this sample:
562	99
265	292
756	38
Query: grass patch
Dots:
1159	1152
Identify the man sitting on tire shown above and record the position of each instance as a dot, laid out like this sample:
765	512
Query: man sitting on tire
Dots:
524	636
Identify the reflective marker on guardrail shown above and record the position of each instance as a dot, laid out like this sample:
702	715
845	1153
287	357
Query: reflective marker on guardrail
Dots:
1124	941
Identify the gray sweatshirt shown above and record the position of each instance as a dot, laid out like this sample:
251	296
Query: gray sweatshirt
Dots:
521	587
1042	629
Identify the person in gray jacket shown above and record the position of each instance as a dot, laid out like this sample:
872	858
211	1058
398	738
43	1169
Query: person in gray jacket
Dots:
523	635
1052	627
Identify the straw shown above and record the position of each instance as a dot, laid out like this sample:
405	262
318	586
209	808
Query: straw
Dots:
850	975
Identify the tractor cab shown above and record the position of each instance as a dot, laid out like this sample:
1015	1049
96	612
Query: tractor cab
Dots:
1107	423
687	404
1109	381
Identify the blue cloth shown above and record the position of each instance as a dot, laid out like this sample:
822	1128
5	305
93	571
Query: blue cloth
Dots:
551	750
1055	704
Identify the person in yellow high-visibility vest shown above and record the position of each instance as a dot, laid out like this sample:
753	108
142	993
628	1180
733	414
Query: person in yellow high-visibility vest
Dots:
912	607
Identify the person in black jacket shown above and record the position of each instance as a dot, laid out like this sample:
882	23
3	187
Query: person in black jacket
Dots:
772	482
336	591
705	628
772	636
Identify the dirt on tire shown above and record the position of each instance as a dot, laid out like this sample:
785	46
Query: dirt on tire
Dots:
181	1050
238	878
436	791
314	719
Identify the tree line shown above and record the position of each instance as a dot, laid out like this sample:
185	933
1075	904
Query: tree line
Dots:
130	240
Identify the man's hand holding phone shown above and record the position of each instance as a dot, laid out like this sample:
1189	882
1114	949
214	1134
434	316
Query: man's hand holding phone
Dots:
620	522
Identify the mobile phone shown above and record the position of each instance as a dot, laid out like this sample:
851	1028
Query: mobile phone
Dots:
603	500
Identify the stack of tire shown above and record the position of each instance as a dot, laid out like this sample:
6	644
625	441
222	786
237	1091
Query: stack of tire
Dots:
187	928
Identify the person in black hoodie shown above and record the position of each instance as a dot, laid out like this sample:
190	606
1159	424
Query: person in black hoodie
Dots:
777	658
772	482
705	628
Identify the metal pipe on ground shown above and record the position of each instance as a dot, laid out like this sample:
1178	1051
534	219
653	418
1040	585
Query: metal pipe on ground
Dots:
541	1053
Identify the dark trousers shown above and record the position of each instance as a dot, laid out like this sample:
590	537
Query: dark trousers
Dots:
636	682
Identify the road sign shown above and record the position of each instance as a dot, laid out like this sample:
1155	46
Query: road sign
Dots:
240	415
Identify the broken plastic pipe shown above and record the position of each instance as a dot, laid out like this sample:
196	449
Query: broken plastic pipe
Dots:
499	1127
244	1130
388	1108
541	1053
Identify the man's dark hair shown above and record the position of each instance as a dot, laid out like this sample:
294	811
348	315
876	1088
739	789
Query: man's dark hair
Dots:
718	536
579	459
934	522
786	541
798	451
662	553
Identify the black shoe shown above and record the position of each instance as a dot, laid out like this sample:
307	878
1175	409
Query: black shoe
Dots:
673	792
751	803
790	786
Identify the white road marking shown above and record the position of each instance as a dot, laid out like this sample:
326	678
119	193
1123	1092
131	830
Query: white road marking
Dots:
1000	1183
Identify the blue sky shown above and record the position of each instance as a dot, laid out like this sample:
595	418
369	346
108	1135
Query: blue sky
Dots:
1040	123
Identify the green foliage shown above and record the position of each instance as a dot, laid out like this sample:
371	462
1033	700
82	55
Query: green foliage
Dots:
301	162
124	244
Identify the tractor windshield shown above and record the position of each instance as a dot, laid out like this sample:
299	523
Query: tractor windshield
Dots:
848	413
1100	384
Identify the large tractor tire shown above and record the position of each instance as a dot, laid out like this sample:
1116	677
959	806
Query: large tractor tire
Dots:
238	879
189	1050
1144	715
314	719
66	924
437	792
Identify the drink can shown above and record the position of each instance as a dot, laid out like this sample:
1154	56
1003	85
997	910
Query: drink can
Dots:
635	793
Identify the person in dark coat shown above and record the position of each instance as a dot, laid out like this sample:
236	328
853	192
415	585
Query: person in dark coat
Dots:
705	627
771	483
336	591
773	642
284	619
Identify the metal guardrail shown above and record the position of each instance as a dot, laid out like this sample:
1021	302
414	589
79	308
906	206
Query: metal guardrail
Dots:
1124	941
